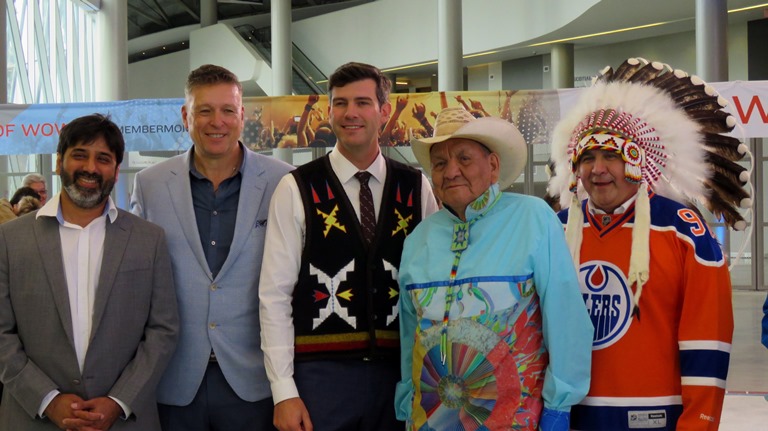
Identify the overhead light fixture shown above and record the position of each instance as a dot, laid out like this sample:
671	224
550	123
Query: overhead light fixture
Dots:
394	69
602	33
748	8
639	27
480	54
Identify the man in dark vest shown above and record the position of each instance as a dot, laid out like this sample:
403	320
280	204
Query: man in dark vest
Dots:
328	288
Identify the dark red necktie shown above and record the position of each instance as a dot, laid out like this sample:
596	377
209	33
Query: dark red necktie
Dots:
367	213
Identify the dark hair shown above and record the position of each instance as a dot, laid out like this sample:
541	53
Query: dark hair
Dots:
22	192
27	204
87	129
210	74
353	72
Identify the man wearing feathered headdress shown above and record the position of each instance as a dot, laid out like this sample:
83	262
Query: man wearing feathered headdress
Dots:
644	144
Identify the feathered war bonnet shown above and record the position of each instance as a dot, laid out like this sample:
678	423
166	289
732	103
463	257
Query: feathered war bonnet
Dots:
669	129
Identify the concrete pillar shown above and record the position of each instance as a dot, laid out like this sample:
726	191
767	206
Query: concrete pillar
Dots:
281	48
712	40
3	52
208	12
281	61
111	50
450	51
562	65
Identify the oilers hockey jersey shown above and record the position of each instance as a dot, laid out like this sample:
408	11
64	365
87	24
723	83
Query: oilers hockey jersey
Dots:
665	367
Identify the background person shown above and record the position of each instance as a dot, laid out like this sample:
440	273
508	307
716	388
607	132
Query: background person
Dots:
24	193
37	183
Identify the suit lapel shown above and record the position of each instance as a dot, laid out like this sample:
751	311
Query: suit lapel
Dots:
115	242
180	192
49	247
252	190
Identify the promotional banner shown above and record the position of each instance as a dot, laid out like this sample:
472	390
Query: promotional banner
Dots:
302	121
147	124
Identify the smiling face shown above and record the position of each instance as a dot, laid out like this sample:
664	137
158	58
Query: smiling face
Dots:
602	174
88	173
462	170
356	118
214	116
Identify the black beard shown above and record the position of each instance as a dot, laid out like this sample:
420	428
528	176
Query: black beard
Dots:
83	197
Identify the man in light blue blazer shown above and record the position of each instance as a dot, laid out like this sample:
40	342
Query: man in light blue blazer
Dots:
212	202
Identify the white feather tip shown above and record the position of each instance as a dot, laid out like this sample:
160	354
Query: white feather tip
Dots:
746	203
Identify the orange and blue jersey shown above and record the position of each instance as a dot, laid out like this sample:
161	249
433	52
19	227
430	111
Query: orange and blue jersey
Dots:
664	368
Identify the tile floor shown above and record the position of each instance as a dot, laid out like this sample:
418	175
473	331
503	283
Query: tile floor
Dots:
746	408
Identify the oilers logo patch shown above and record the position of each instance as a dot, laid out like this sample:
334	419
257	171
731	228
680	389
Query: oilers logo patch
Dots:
608	299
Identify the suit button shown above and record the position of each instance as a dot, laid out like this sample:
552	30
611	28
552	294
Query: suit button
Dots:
212	325
214	287
76	381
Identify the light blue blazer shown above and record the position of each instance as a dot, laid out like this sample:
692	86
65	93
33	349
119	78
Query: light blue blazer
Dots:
222	313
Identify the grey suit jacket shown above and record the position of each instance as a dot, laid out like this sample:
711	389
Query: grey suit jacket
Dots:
222	313
135	321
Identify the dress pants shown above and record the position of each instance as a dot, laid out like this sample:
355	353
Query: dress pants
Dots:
350	394
216	407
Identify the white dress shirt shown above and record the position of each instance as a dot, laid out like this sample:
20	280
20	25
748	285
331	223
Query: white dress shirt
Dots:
282	261
82	249
621	209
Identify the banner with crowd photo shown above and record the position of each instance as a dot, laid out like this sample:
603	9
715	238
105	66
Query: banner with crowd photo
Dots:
302	121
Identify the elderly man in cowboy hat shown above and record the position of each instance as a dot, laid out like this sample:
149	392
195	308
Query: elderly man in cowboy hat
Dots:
492	325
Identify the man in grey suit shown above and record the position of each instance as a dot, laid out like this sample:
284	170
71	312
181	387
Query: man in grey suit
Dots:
213	202
88	315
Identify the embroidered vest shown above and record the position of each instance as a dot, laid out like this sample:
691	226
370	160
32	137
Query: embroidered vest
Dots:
345	299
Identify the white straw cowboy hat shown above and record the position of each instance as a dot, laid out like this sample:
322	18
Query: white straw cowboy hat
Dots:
499	136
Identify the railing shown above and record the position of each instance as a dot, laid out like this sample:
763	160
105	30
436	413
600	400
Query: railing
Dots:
305	75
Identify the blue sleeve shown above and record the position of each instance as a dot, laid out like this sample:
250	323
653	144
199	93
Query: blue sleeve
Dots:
554	420
567	328
404	390
764	338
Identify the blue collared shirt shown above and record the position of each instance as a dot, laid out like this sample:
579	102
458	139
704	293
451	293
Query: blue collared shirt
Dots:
216	213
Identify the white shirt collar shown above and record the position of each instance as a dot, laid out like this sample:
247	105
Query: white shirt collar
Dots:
621	209
346	171
52	208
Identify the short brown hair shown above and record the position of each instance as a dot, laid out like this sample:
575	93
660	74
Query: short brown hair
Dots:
353	72
210	74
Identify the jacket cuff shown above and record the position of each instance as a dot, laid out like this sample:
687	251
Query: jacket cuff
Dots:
554	420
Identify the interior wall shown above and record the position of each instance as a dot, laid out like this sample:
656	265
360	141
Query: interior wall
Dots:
678	50
757	34
164	76
159	77
477	78
390	33
524	74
